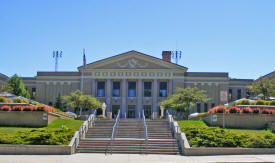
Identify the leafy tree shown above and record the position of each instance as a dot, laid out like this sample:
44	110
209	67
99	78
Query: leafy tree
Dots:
74	99
184	99
77	100
264	86
17	86
88	102
60	103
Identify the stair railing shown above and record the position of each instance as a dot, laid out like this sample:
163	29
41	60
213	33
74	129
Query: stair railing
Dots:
145	131
113	133
174	129
82	131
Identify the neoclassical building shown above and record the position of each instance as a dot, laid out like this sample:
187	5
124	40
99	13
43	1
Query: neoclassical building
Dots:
133	81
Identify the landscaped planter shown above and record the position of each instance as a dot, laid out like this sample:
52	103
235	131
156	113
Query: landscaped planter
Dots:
24	118
237	120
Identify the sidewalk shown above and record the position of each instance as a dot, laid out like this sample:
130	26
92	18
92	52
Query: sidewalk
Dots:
120	158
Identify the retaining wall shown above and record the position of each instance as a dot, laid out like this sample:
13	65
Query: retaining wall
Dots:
24	118
245	121
14	149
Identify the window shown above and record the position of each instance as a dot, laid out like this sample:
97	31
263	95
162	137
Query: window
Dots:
239	93
230	94
198	107
131	89
116	89
100	89
147	89
163	89
205	107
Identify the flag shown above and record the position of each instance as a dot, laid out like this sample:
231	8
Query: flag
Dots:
84	60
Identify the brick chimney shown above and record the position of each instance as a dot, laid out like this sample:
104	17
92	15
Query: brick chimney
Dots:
166	56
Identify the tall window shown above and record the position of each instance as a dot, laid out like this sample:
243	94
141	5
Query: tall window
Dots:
163	89
116	89
33	93
147	89
131	89
100	89
239	93
198	107
230	94
205	107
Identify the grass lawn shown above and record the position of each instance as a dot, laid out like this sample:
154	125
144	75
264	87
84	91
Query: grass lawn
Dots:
199	134
56	130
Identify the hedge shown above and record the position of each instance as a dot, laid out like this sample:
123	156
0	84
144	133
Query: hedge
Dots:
204	136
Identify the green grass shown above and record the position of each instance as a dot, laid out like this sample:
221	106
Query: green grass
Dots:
57	123
71	124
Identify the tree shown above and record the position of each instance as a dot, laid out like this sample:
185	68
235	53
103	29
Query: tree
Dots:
74	99
89	102
77	100
184	99
17	86
264	86
60	103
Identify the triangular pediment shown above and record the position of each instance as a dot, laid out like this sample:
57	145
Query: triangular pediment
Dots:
133	60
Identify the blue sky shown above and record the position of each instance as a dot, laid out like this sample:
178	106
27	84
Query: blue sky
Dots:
235	36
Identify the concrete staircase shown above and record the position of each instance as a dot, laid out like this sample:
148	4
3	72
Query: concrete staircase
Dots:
129	138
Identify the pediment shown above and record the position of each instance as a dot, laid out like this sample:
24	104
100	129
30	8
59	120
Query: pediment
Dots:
133	60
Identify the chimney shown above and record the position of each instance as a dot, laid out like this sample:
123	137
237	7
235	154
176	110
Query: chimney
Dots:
166	56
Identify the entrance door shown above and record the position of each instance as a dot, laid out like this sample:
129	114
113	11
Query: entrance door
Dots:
115	109
131	111
147	111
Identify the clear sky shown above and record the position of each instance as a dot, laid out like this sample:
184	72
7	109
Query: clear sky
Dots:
235	36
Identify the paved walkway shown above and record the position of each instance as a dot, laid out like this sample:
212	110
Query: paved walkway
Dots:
119	158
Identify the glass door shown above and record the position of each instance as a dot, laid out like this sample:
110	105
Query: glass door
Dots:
115	109
147	111
131	113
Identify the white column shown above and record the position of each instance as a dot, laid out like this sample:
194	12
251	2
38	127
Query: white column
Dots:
139	98
123	98
170	87
155	97
93	88
108	93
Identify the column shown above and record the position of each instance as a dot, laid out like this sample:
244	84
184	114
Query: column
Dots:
170	87
155	98
93	88
108	95
139	98
123	99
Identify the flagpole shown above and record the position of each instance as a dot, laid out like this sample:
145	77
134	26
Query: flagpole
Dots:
82	78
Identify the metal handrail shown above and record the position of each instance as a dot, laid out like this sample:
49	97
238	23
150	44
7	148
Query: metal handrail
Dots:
113	133
175	131
145	130
83	130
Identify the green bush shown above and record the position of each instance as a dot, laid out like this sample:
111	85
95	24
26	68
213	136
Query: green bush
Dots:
41	136
272	103
200	135
242	102
260	102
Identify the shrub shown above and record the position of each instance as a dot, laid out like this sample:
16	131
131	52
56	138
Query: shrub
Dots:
40	108
253	103
267	102
242	102
260	102
247	110
17	100
5	108
2	99
234	109
272	103
256	110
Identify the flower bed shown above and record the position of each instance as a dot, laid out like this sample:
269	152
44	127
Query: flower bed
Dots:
27	108
240	110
